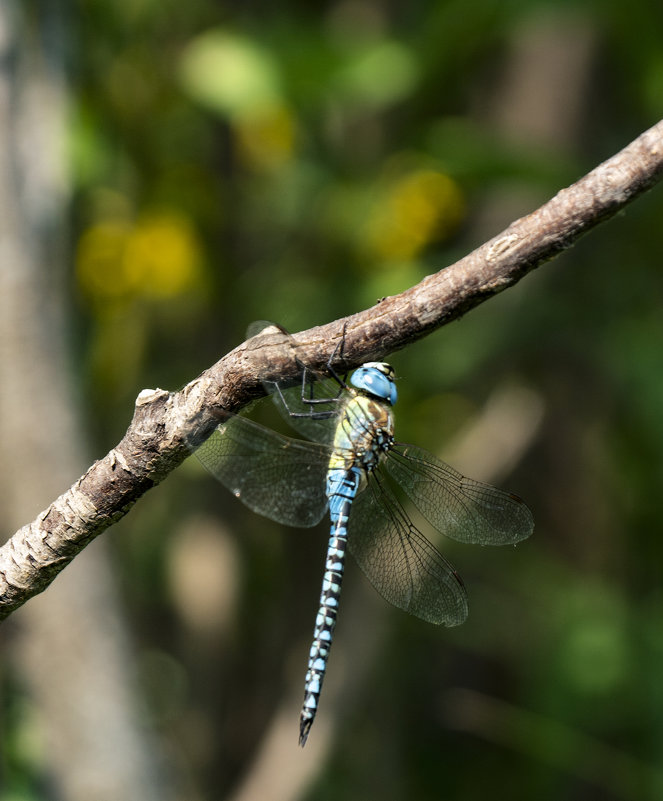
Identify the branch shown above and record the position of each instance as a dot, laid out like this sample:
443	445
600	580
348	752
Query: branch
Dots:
165	424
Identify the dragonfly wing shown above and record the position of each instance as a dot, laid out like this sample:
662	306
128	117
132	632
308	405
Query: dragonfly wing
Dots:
463	509
400	562
275	476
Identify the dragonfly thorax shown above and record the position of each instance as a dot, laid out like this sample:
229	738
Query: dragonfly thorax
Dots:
376	379
364	434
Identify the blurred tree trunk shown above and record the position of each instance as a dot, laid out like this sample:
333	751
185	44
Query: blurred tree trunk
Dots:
70	646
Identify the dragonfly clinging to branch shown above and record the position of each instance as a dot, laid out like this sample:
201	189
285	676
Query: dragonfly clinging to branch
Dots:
358	474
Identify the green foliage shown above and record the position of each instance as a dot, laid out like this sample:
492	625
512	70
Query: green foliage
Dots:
296	162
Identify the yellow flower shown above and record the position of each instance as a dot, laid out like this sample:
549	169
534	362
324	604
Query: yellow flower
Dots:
100	265
162	256
157	257
421	207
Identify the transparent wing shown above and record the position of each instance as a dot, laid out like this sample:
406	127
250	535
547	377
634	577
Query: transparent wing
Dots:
275	476
400	562
309	403
463	509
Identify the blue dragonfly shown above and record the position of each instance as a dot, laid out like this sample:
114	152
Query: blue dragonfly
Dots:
357	473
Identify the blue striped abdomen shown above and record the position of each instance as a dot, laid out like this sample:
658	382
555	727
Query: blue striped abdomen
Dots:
342	486
363	436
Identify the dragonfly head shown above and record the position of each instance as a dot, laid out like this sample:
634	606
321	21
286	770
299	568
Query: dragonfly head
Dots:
377	379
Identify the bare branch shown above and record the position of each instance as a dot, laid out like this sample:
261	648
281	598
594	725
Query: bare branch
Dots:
163	423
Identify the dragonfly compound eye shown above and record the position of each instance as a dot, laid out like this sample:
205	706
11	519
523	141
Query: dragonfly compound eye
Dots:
370	378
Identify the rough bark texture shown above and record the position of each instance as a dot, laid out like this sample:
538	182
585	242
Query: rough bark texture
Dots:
163	423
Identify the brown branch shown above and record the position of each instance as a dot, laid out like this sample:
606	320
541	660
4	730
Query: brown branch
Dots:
163	423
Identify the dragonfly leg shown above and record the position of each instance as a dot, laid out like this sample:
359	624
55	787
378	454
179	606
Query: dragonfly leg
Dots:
325	415
341	380
310	400
307	398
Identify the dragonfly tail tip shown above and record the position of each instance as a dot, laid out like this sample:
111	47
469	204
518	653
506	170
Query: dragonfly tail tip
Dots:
304	728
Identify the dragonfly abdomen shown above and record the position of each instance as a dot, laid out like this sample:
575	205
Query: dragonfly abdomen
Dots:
342	486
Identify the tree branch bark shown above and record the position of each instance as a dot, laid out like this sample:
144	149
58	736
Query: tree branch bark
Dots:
165	424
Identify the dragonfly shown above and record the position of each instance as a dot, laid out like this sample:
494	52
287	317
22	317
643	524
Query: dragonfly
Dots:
352	469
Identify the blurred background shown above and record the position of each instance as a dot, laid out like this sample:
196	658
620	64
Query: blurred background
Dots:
170	172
